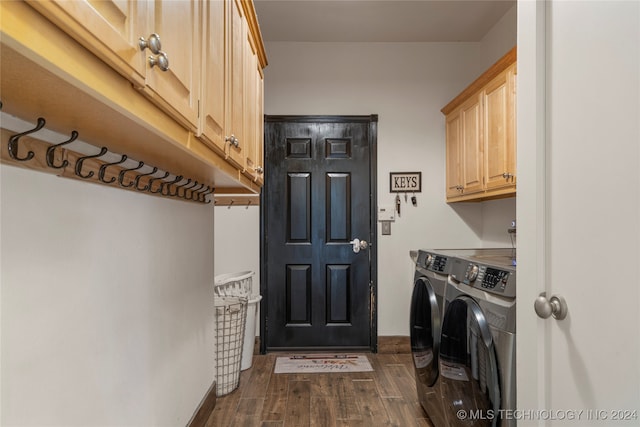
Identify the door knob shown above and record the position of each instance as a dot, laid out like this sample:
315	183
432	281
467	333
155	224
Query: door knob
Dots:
359	244
556	307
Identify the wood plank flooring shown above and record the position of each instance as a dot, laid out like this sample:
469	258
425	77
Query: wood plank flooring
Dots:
385	397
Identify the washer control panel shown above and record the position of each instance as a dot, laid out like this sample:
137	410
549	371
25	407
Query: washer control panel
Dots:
491	279
438	264
434	262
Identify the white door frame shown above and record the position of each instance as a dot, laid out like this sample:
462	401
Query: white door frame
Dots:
530	203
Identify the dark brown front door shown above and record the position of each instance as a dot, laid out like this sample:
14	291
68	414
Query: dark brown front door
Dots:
318	293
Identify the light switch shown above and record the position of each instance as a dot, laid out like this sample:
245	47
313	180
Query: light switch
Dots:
386	228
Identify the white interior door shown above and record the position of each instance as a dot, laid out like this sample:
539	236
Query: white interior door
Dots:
579	211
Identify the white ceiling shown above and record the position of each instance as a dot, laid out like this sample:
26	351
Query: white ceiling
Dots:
378	20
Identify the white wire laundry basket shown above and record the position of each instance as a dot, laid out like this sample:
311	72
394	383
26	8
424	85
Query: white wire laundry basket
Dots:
234	284
231	318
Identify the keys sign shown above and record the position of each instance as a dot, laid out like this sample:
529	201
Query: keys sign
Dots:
405	182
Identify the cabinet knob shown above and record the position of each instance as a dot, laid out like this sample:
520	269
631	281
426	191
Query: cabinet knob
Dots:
259	170
232	140
162	61
153	44
507	175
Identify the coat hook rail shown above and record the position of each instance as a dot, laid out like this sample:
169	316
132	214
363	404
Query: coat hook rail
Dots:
231	200
61	160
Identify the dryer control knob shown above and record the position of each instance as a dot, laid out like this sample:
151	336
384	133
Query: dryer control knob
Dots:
472	272
428	260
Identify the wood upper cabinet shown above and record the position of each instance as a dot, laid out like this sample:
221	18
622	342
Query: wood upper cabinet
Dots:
213	84
176	89
233	91
499	123
112	30
253	119
464	149
213	124
235	108
481	137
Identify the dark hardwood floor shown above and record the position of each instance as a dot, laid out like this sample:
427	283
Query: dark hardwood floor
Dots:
385	397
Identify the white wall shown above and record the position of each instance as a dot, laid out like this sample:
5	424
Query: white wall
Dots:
106	304
237	247
406	84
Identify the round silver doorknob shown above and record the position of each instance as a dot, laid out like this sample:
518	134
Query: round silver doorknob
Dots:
359	244
556	307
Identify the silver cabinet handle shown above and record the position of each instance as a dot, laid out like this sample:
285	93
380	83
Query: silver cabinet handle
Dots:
556	307
507	175
359	245
162	61
153	44
233	141
259	170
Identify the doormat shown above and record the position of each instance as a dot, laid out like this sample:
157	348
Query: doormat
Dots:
322	363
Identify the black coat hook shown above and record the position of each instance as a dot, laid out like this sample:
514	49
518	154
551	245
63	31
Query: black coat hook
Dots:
51	150
184	193
168	185
103	169
195	192
178	187
123	172
137	180
81	160
13	142
198	194
206	193
152	180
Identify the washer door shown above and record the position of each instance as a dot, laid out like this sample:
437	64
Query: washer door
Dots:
425	331
468	366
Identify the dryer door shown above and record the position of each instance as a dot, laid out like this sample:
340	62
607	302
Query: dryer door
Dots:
468	366
425	331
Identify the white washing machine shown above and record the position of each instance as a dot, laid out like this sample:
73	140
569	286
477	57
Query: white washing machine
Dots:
477	344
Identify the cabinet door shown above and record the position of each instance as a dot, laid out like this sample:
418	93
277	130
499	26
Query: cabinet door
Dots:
235	119
110	29
499	134
260	128
472	145
213	81
176	90
252	74
454	154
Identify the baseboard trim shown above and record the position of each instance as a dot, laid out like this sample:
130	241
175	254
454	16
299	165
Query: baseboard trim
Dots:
394	344
205	409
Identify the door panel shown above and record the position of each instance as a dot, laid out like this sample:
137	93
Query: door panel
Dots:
472	146
317	199
579	202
